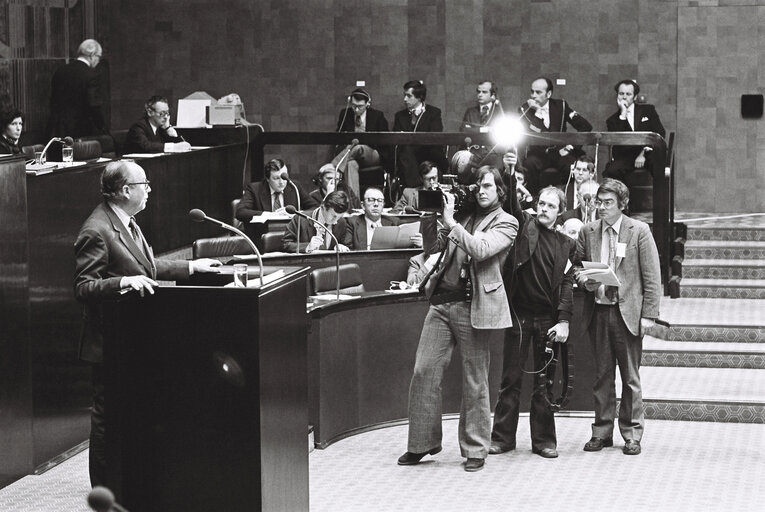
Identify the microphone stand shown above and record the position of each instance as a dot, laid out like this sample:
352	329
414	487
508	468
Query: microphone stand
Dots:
199	216
291	209
354	142
286	178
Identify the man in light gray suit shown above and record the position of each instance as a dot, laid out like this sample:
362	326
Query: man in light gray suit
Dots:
467	298
618	317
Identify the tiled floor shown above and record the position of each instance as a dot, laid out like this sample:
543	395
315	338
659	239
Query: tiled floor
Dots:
685	466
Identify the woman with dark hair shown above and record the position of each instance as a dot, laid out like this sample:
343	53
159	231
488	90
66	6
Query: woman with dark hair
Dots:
12	123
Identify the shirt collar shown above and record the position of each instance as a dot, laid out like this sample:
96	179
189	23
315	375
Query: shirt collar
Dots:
121	214
83	59
616	225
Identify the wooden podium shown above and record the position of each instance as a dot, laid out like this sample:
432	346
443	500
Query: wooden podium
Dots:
206	398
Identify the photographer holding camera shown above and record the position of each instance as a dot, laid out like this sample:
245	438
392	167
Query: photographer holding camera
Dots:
539	282
467	297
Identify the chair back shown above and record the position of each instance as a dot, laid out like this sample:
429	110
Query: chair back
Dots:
106	141
120	137
29	151
272	241
219	247
86	150
324	280
234	221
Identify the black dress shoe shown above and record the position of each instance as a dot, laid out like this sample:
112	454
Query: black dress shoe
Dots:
547	453
474	465
596	444
410	459
631	447
496	449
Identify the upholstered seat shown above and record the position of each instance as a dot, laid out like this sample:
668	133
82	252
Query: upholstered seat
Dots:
324	280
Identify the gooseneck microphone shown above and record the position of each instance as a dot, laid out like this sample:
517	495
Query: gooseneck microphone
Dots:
198	215
353	144
66	140
286	178
291	209
101	499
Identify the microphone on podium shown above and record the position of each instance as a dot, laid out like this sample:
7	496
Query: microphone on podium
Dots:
66	140
198	215
353	144
286	178
291	210
101	499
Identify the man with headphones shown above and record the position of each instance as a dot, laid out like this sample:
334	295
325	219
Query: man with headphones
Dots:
631	117
417	117
541	113
358	116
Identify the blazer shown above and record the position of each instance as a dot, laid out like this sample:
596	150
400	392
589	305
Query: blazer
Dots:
142	139
308	230
646	120
75	102
558	121
257	199
638	271
356	233
471	120
430	121
488	247
376	121
105	252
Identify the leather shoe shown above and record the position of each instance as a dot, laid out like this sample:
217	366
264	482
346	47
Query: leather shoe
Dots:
631	447
474	465
410	459
547	453
596	444
496	449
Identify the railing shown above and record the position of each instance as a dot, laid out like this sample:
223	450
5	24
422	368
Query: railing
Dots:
661	160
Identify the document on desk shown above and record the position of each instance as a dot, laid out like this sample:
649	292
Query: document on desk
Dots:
599	272
142	155
394	237
266	216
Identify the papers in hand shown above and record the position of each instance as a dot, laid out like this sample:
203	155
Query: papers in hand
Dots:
394	237
599	272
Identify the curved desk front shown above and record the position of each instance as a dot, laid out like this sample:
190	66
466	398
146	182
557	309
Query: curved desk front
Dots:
361	356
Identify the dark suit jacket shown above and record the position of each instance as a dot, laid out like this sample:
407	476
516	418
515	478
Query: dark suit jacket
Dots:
105	252
561	115
142	139
376	121
646	120
523	250
75	102
471	120
308	230
257	199
7	147
356	233
638	271
409	157
574	213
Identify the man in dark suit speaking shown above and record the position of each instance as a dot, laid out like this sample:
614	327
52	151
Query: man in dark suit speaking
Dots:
76	98
113	257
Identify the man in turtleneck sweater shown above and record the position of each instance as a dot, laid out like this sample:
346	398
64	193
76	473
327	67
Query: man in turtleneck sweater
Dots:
468	299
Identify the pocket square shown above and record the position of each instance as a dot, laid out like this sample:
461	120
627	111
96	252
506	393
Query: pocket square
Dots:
644	120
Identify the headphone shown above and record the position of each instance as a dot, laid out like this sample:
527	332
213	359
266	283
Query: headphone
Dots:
359	92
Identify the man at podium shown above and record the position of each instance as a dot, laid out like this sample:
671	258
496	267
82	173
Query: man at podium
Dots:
113	258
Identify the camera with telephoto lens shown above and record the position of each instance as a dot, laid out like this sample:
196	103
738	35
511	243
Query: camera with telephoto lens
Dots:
433	199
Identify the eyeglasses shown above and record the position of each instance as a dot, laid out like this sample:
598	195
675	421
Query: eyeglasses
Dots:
608	203
374	200
359	107
146	184
165	113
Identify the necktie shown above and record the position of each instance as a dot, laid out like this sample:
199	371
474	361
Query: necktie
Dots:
484	114
413	115
276	204
135	232
358	121
611	291
631	116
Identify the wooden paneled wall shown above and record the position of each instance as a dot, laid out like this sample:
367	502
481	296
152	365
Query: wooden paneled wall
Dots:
294	61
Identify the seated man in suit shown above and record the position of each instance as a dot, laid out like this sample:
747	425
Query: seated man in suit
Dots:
586	211
582	170
153	133
272	194
630	117
360	117
410	197
113	257
304	236
326	180
361	227
544	114
417	117
478	119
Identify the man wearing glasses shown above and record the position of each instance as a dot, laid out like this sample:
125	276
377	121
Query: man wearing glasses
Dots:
617	317
361	228
358	116
153	133
113	258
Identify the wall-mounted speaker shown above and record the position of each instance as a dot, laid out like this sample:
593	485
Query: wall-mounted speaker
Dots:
751	106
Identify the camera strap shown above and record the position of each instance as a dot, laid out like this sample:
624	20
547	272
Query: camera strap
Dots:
546	380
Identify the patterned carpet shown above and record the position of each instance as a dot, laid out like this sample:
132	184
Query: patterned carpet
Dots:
685	466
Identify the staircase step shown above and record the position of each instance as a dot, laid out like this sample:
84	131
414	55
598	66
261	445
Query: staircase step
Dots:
703	394
713	320
700	354
727	232
720	249
723	288
723	269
